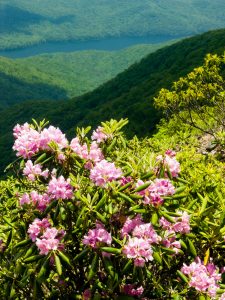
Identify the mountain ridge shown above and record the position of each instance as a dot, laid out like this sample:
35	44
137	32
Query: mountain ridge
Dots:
130	94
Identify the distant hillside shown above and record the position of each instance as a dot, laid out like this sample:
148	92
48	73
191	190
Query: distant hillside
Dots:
63	75
27	22
130	94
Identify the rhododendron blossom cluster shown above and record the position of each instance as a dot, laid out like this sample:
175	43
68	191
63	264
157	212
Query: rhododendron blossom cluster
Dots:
97	236
41	201
130	224
131	290
60	188
104	172
47	238
92	155
138	249
52	134
181	224
32	171
37	227
98	135
204	278
138	246
29	141
158	189
170	163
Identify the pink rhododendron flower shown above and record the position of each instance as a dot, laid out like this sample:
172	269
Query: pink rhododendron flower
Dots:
99	135
32	171
222	297
27	141
41	201
60	188
61	157
146	231
162	187
125	180
181	224
169	241
50	240
202	277
138	249
170	162
130	224
46	245
154	193
104	172
129	289
97	236
18	129
93	155
52	134
25	199
38	200
87	295
37	227
80	150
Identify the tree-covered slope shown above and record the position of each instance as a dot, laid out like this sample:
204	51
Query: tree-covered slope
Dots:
130	94
63	75
26	22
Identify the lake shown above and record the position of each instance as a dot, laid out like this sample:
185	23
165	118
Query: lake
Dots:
108	44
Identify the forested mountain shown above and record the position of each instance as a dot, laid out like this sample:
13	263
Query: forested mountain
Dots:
63	75
27	22
130	94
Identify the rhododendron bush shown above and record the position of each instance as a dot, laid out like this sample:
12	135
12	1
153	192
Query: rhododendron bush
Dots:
106	218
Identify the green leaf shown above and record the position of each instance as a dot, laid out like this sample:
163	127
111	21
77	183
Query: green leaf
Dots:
125	197
127	267
94	267
154	218
40	158
204	203
9	239
101	202
33	258
108	266
182	276
43	271
157	257
50	207
124	187
30	251
192	248
142	187
111	250
81	255
167	217
23	243
180	189
58	265
64	258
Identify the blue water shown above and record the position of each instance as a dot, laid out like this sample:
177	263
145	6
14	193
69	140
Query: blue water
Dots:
108	44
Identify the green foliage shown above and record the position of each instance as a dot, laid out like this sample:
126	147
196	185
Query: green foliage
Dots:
35	22
198	98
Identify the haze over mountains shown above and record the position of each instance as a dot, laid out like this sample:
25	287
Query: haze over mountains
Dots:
26	22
